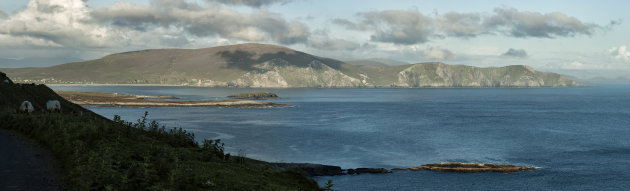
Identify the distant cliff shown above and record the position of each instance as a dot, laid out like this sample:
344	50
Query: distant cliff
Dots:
259	65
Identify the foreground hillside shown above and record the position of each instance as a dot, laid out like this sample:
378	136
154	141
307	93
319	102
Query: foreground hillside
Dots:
100	154
259	65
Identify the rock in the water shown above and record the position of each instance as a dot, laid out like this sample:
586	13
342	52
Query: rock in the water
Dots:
368	170
254	95
471	167
309	169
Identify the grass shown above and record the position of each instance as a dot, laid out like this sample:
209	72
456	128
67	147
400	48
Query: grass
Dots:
101	154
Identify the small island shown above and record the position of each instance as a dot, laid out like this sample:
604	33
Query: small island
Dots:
470	167
254	95
100	99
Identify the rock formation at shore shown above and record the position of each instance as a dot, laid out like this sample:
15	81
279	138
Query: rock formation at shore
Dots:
254	95
470	167
326	170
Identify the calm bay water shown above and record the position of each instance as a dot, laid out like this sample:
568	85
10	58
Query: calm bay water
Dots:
579	137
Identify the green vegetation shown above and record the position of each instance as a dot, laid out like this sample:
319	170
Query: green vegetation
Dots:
100	154
329	185
254	95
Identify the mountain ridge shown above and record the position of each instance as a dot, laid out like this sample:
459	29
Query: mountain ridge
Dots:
262	65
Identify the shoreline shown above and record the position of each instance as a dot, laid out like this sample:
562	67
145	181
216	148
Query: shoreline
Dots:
202	104
339	87
100	99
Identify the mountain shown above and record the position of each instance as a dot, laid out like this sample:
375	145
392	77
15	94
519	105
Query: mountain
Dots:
35	62
376	62
260	65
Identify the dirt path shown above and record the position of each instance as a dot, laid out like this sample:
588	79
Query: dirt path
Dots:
25	166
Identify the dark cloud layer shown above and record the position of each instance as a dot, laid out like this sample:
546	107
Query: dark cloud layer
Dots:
533	24
515	53
250	3
205	21
465	25
404	27
412	27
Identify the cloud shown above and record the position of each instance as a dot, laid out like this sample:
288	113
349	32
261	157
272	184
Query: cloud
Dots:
515	53
464	25
333	44
437	53
620	53
70	23
533	24
575	65
205	21
398	27
250	3
3	15
348	24
62	23
47	28
579	65
408	27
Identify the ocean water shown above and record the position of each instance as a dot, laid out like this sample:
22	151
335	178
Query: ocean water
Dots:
578	137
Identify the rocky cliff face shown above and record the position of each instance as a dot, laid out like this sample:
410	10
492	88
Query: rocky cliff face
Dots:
280	73
443	75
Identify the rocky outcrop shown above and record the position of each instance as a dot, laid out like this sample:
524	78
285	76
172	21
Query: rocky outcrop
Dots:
254	95
367	170
470	167
327	170
309	169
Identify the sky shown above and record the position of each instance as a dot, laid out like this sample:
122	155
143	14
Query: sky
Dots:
584	39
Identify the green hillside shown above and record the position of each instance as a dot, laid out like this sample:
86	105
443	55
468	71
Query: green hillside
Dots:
260	65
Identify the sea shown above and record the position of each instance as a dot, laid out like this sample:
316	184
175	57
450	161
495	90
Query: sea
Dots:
577	138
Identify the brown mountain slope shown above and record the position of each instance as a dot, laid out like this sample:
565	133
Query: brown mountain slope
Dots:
261	65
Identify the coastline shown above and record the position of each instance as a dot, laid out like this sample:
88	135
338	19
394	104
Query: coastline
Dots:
220	104
336	87
100	99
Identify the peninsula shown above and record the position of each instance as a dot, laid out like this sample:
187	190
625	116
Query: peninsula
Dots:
469	167
100	99
254	95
